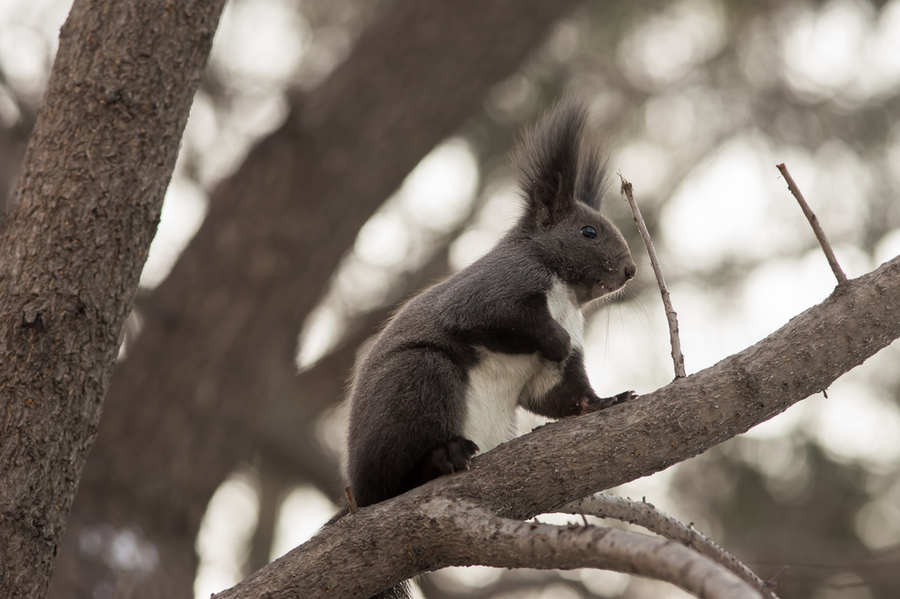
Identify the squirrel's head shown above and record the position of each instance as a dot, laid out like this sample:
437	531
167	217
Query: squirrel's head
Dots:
561	178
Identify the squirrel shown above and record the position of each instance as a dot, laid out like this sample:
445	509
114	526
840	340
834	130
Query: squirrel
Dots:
442	380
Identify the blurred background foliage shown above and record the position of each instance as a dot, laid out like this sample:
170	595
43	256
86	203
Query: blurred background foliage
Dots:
697	101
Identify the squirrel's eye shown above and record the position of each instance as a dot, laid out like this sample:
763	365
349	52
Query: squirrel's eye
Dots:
589	232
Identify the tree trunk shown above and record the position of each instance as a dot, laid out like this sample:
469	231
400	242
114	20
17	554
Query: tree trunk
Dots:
72	247
220	333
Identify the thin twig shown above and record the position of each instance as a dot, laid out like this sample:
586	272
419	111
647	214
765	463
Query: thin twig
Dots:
677	356
814	222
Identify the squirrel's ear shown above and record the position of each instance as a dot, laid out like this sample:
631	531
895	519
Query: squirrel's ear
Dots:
547	158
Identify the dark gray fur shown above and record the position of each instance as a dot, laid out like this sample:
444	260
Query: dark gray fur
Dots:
408	405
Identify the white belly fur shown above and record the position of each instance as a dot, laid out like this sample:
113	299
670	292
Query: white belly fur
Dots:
498	380
565	310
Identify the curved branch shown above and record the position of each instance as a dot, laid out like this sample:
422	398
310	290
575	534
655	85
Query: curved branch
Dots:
648	516
479	537
464	533
567	460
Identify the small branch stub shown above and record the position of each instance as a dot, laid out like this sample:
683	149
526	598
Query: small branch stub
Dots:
814	222
351	501
671	316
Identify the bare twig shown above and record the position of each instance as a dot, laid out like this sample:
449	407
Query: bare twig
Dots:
677	356
648	516
814	222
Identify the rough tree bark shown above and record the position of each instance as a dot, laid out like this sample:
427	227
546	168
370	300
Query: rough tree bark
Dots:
382	544
73	243
220	333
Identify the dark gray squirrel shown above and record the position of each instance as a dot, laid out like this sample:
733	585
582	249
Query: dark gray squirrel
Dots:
443	379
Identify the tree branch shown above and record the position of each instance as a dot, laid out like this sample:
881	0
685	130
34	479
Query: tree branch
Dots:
479	537
649	517
463	533
568	460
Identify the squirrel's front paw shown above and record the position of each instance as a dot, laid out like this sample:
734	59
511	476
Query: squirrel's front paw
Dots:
592	404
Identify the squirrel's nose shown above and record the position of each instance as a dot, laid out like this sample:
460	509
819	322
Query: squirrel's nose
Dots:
629	270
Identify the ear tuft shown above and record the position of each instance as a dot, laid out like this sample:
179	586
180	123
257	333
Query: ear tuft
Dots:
551	175
591	177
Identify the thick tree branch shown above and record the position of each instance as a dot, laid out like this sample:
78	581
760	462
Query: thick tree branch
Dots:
567	460
73	243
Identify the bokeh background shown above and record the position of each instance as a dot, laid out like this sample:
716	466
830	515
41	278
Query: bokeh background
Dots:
697	101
